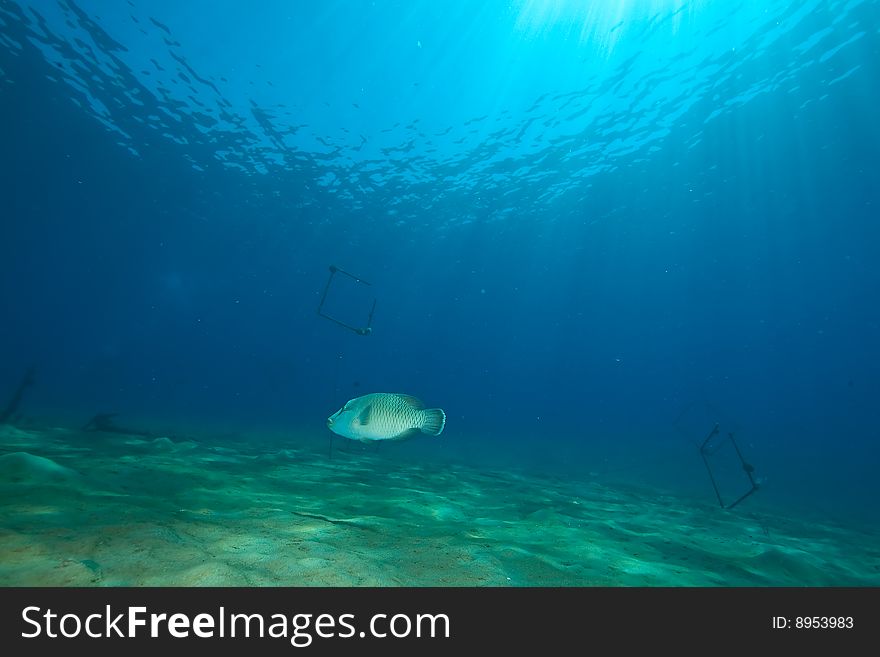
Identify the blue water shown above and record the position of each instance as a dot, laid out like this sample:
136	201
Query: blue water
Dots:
578	220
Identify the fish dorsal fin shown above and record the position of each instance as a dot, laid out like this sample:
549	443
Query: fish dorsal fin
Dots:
364	416
415	402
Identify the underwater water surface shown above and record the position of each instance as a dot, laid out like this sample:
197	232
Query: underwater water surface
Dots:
630	249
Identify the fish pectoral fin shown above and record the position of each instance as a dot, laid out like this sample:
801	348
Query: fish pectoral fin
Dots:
364	417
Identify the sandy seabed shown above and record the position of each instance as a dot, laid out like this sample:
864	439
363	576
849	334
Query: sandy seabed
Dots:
85	509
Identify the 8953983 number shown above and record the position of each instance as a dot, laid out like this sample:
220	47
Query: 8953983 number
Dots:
823	622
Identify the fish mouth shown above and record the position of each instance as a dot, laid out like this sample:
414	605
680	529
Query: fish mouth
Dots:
329	421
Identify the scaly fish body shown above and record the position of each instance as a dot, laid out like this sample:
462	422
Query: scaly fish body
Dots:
385	416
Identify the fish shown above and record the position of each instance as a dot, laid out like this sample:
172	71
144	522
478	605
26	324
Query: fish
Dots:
386	416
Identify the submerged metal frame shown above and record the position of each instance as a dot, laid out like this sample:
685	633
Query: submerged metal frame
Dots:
366	330
747	467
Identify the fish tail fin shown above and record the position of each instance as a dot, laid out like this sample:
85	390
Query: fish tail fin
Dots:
433	421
